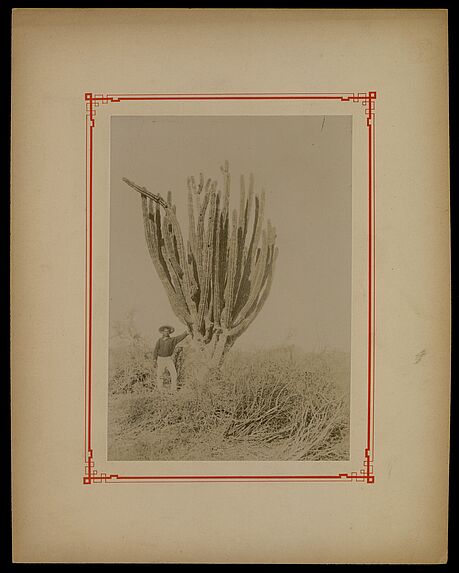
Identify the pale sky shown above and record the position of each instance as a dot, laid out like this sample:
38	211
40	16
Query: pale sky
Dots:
304	165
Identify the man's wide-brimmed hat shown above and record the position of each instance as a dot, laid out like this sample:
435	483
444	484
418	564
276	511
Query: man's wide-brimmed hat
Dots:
166	327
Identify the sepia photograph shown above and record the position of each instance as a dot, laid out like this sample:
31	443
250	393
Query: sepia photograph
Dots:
230	288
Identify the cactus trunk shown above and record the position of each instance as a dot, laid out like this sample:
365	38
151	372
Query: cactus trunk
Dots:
218	284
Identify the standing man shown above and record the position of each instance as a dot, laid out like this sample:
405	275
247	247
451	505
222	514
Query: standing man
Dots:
162	355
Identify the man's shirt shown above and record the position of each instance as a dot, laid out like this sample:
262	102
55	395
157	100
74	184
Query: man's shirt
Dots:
165	346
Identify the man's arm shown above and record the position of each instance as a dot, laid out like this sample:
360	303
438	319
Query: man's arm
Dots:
179	338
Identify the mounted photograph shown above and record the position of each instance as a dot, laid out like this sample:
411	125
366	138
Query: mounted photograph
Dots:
230	288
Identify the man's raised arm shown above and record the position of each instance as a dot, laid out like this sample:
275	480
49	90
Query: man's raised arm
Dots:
179	338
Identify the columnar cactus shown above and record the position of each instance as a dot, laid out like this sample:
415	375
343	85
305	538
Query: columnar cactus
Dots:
219	280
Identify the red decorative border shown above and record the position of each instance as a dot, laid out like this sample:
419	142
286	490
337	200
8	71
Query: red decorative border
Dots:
365	475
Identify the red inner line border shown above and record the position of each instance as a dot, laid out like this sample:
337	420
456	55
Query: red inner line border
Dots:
91	475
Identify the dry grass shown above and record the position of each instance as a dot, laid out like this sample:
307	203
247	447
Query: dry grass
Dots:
280	404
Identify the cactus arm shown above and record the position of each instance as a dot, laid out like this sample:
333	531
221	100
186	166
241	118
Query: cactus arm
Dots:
191	220
247	214
249	204
186	280
195	194
162	267
143	191
232	263
208	319
242	204
244	283
256	278
224	238
170	250
244	324
179	296
257	230
170	256
216	265
154	239
207	258
224	228
240	245
176	302
201	235
192	271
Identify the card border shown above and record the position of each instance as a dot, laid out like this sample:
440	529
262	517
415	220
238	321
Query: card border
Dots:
362	475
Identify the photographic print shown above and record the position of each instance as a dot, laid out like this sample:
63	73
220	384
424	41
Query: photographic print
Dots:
230	288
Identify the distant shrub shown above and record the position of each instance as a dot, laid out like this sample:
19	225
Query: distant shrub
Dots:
131	368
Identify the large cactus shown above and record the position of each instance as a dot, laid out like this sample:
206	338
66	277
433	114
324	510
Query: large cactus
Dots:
219	280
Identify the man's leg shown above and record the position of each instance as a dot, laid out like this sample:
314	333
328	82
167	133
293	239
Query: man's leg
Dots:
160	369
173	374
